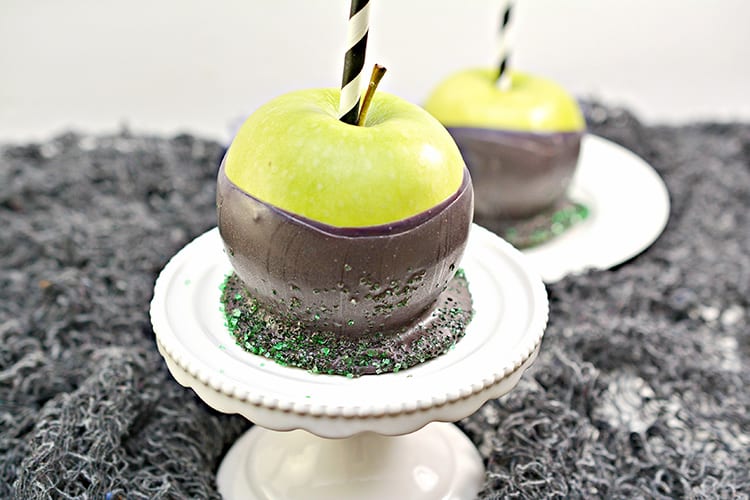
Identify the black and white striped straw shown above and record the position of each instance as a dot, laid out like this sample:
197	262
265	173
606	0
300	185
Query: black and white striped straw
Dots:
503	75
354	61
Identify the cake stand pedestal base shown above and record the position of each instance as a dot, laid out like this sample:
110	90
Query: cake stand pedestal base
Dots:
324	436
437	461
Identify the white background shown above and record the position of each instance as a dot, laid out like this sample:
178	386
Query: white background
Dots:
186	65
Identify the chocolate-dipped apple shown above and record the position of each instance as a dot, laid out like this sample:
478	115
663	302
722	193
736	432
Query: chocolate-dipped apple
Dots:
344	230
521	145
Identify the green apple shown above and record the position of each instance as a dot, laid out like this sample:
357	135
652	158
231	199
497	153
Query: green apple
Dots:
520	144
471	98
294	153
350	229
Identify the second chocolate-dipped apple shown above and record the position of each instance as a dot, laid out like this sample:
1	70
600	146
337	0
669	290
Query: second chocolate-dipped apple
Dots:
521	144
344	228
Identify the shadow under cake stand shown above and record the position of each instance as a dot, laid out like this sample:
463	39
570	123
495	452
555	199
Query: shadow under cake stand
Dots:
376	436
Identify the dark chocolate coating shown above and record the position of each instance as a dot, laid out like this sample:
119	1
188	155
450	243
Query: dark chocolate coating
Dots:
517	174
351	281
259	331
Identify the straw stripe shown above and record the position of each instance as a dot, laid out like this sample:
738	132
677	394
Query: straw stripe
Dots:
503	76
358	25
354	60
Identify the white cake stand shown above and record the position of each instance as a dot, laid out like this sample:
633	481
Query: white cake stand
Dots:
377	436
629	208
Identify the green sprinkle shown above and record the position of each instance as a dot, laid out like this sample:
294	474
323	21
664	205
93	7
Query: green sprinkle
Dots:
545	226
289	341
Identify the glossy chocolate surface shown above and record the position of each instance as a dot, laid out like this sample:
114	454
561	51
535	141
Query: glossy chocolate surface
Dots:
351	281
517	174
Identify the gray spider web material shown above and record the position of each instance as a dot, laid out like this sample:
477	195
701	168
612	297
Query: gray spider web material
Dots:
640	390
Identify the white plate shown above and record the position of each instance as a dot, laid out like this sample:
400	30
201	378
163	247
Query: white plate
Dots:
501	342
629	208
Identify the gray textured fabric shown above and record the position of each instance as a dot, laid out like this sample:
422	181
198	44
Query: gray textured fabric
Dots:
640	390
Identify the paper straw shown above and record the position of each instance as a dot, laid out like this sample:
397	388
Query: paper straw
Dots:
503	75
354	61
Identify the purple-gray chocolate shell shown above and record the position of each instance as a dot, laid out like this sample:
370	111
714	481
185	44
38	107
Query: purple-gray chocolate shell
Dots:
517	174
351	281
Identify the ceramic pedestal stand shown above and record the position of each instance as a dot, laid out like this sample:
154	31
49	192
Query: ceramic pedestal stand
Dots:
378	436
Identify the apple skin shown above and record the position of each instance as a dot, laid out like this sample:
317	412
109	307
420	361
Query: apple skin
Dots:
521	145
351	281
294	153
